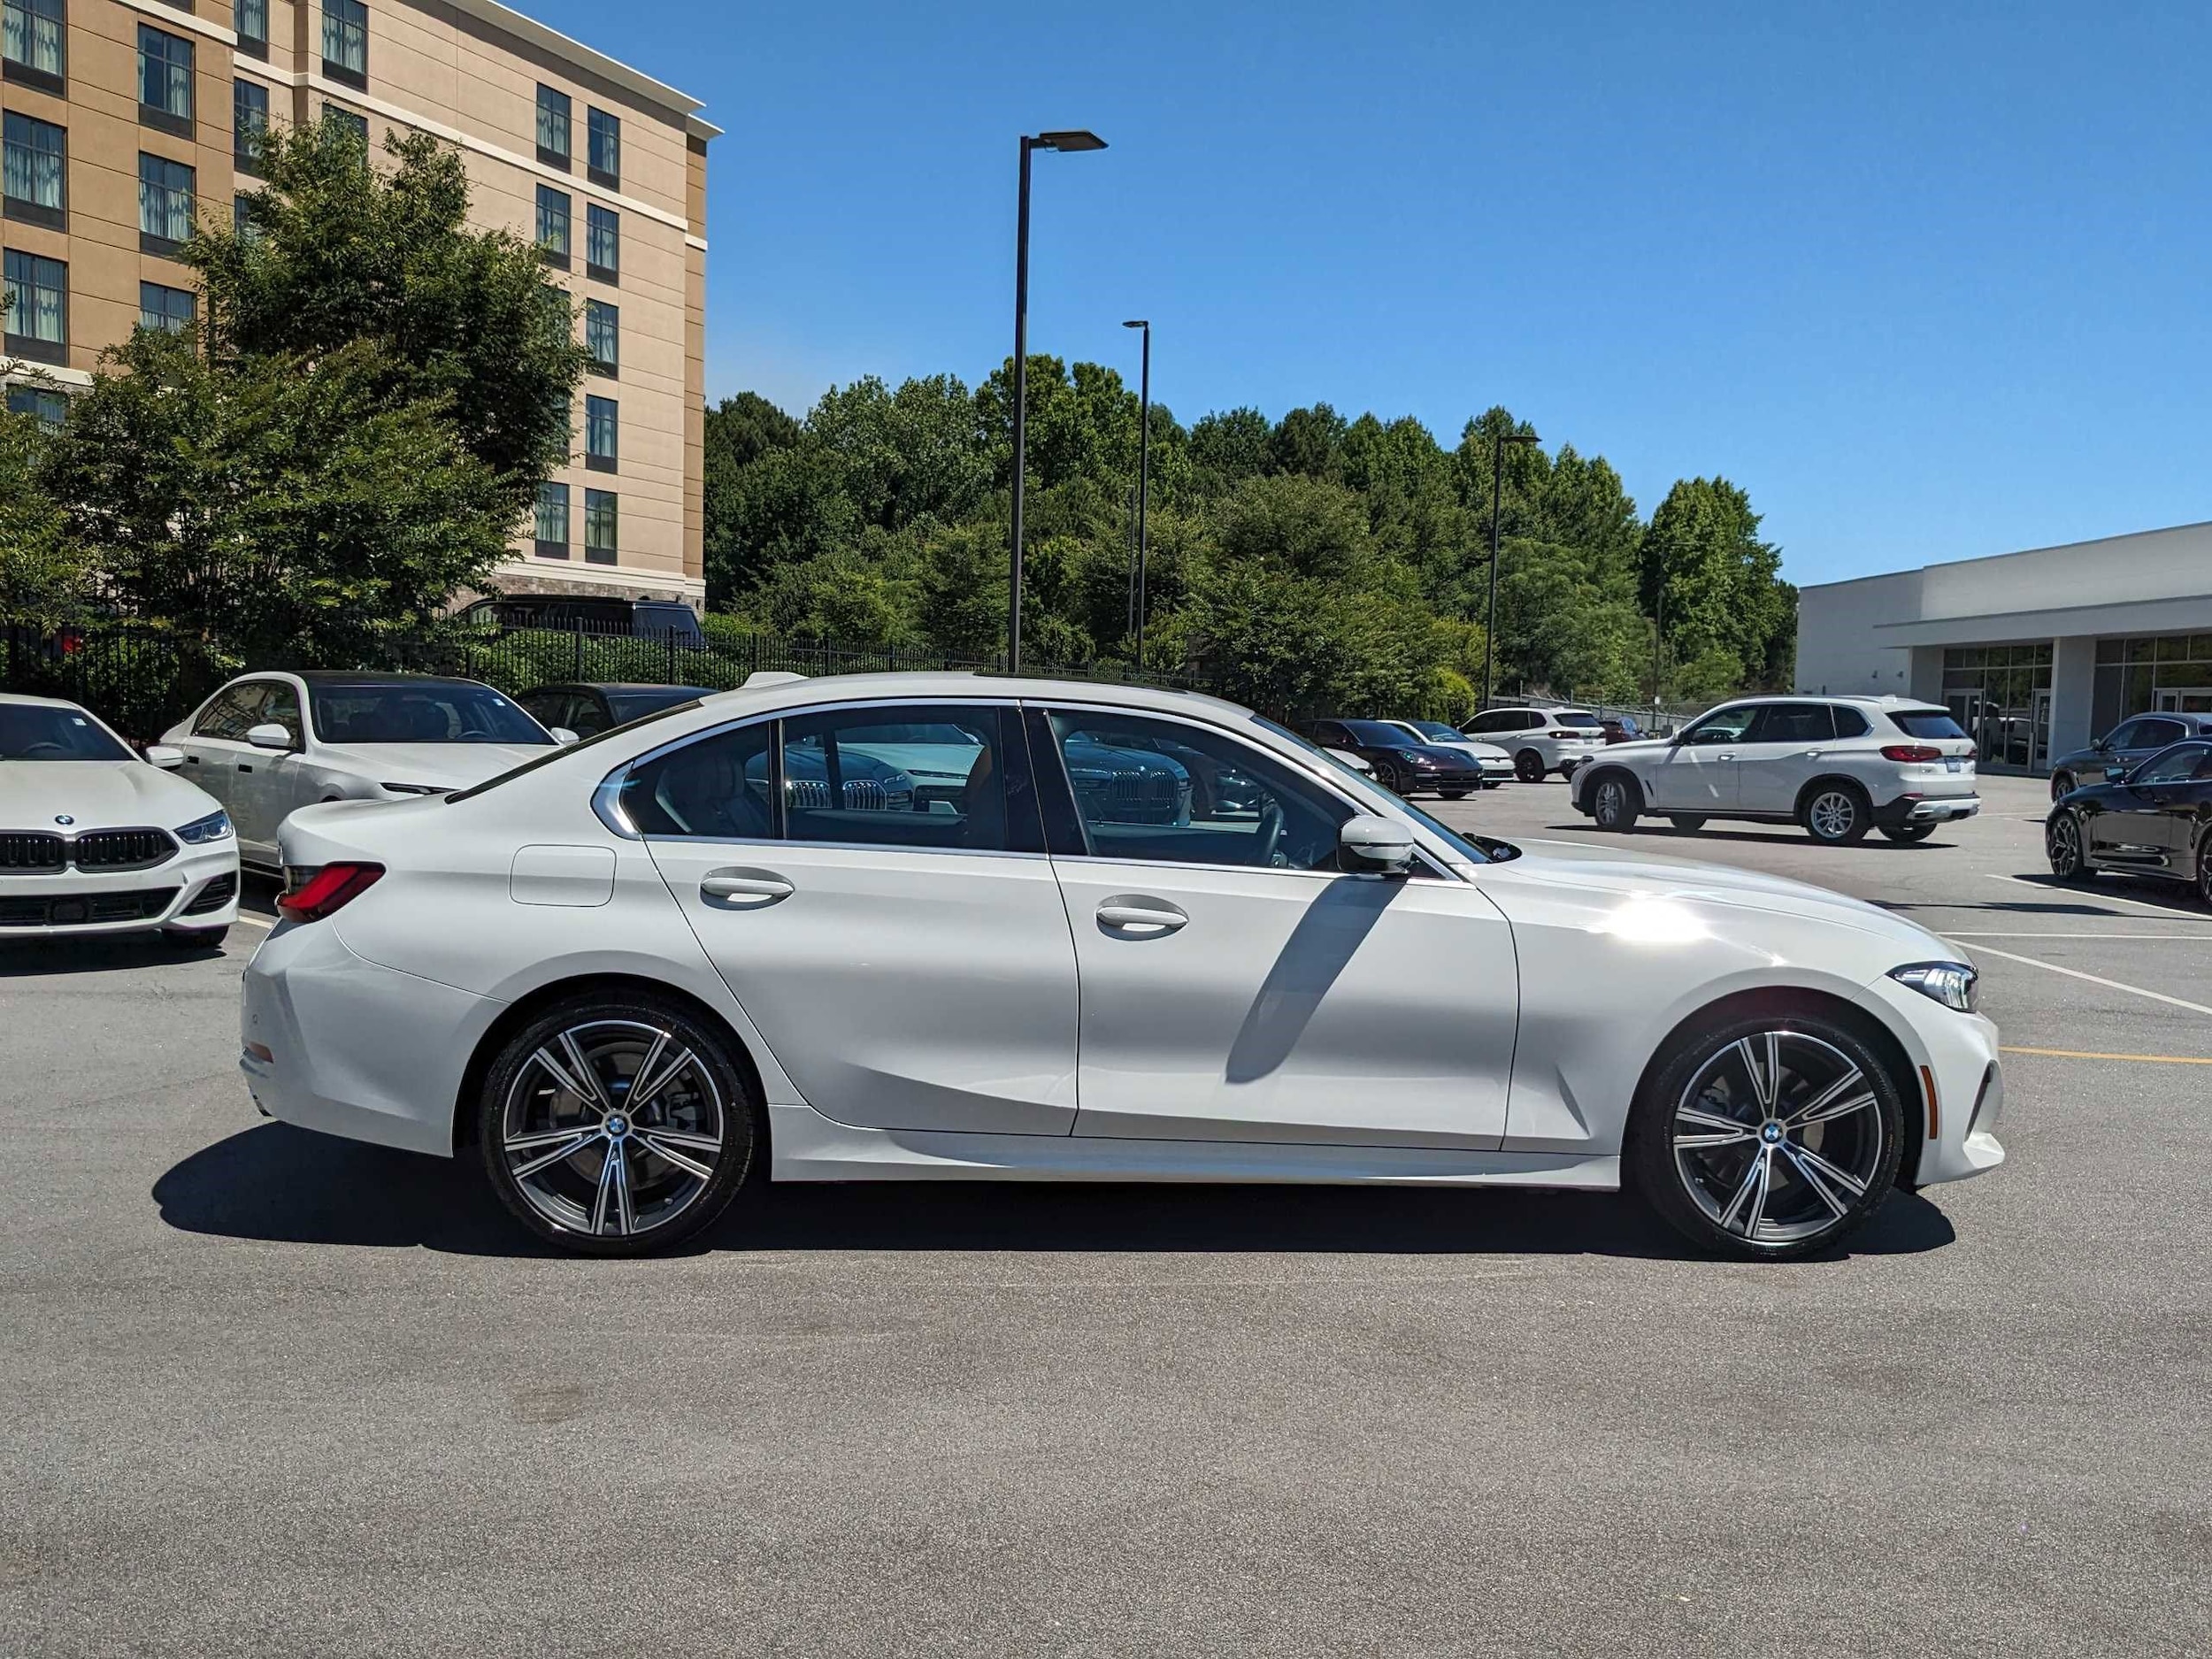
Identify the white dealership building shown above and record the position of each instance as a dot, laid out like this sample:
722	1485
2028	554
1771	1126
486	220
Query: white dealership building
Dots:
2034	653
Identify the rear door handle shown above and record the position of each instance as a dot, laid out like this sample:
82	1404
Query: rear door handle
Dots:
1730	755
1150	914
762	885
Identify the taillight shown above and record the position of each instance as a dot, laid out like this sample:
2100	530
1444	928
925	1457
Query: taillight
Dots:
314	894
1910	752
1562	734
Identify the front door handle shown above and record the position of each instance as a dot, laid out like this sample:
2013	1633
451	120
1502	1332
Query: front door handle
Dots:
1730	754
763	885
1152	915
243	767
1814	754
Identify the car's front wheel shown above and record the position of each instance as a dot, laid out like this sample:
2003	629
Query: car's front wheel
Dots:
1769	1135
616	1125
1614	801
1837	813
2062	783
2063	845
2204	868
1528	766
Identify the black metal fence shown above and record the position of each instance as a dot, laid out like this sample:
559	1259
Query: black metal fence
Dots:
144	679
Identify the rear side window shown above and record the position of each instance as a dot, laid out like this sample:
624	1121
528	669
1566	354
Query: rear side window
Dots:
1924	724
2158	733
1588	721
955	778
1851	723
716	787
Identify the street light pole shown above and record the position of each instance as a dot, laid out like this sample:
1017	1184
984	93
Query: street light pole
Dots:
1069	142
1498	440
1144	477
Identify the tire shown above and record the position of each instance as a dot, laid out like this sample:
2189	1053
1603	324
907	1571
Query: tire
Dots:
1908	834
1528	766
197	938
1687	823
1836	814
674	1176
1386	775
2204	868
2062	783
1614	802
1453	794
1715	1147
2066	847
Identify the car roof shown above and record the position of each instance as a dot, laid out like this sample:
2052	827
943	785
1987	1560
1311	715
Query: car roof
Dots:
25	700
620	688
917	686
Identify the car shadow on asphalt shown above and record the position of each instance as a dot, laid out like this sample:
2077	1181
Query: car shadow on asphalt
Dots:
280	1184
1736	833
111	953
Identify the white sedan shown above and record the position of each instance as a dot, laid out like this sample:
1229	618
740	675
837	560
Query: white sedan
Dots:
623	978
93	839
266	744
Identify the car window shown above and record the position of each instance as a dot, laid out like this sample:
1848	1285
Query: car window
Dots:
1575	718
715	786
1794	723
2122	736
2158	733
1377	734
281	707
2172	766
1480	723
34	731
1160	790
950	778
1851	723
2204	766
1722	725
235	711
1434	730
419	712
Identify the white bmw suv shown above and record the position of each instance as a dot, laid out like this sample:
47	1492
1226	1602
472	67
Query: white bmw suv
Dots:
1541	740
1837	765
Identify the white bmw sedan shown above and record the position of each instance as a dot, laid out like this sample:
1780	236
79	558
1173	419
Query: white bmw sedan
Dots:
93	839
268	742
701	944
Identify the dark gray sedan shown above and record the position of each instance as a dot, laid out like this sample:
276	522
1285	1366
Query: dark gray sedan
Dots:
2124	747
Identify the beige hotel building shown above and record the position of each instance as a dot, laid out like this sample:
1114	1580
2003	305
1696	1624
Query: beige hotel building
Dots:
124	117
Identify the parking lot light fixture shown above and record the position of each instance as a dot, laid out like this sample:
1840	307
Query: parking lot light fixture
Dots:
1070	141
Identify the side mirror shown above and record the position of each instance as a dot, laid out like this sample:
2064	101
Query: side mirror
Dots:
269	735
164	757
564	736
1377	846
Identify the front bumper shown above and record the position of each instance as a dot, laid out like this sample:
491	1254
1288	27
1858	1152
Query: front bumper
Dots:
185	890
1957	1053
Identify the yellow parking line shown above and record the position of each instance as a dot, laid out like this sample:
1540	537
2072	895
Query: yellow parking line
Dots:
2078	1054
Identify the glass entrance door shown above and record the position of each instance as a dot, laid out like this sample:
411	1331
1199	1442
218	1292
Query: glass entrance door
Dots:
2040	734
2176	700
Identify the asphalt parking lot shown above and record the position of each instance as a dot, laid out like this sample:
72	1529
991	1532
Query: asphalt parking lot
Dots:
273	1394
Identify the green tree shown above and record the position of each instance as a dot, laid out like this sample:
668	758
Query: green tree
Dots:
46	578
1729	618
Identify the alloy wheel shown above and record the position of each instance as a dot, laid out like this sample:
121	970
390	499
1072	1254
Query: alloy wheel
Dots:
612	1128
1612	806
2062	842
1777	1137
1832	815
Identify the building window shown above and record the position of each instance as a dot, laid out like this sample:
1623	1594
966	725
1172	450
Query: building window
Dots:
346	41
601	443
606	150
243	223
38	307
171	311
164	81
165	204
600	514
31	35
552	526
602	336
48	408
32	165
553	142
603	243
553	239
2139	676
251	18
356	127
248	124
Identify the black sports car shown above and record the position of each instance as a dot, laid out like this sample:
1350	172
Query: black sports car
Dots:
1401	763
2155	820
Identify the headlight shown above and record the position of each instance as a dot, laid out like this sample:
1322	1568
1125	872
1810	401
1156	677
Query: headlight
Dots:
412	789
1950	983
214	827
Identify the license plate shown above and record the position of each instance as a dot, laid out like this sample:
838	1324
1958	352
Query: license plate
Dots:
1953	764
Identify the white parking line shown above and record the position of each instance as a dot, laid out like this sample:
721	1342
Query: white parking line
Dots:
2195	938
2112	985
255	921
2094	894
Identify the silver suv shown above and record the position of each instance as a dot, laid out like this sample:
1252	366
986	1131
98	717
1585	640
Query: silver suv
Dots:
1837	765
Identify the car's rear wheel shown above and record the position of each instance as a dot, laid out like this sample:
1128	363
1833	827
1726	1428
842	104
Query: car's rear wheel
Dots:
1688	823
2204	867
2063	846
1614	802
616	1125
1772	1135
2062	783
1837	813
1907	833
1528	766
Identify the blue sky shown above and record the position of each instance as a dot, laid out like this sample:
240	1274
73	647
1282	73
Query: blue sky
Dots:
1929	280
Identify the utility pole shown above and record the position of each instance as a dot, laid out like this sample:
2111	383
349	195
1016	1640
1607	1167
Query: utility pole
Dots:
1144	478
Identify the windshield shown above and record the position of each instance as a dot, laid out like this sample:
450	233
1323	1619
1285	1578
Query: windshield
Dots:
1926	723
560	753
1435	731
1376	733
31	730
419	712
1375	793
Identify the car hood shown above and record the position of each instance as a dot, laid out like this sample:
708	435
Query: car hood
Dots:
1720	887
1479	750
441	766
98	795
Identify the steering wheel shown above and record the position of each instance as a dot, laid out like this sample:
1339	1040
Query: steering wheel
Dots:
1271	836
475	734
56	748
